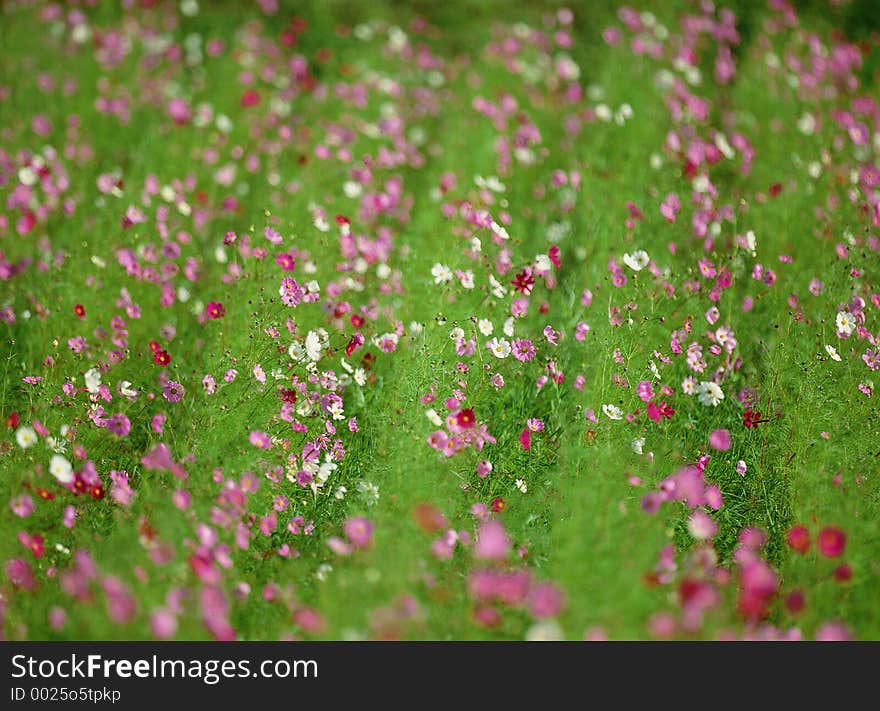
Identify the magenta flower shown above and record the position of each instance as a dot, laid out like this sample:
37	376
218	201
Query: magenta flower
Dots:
831	542
173	391
119	425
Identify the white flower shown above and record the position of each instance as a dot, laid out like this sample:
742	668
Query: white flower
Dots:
456	333
845	322
485	326
441	273
832	351
316	343
369	492
636	261
637	444
498	289
296	351
340	493
25	436
27	176
521	485
93	380
467	279
545	631
500	231
500	347
543	263
326	469
508	327
56	445
708	393
60	468
613	412
434	417
126	389
360	376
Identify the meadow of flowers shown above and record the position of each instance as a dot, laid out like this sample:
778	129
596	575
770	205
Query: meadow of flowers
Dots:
464	320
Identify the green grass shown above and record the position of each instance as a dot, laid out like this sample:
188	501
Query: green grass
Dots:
580	523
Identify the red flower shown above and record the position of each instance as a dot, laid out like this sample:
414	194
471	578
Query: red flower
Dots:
657	411
498	504
799	539
13	420
45	494
752	418
843	573
97	492
249	98
80	310
79	484
465	418
831	541
795	602
215	309
288	396
35	543
162	357
524	282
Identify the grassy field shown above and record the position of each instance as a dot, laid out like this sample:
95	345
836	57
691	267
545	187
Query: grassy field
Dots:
469	320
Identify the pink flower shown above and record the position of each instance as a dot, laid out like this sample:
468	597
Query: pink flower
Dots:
484	467
20	575
701	525
359	531
525	439
833	632
545	600
173	391
157	423
22	505
492	542
119	425
260	440
720	440
163	623
158	458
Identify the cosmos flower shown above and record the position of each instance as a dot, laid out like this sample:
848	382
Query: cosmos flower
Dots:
709	393
637	261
